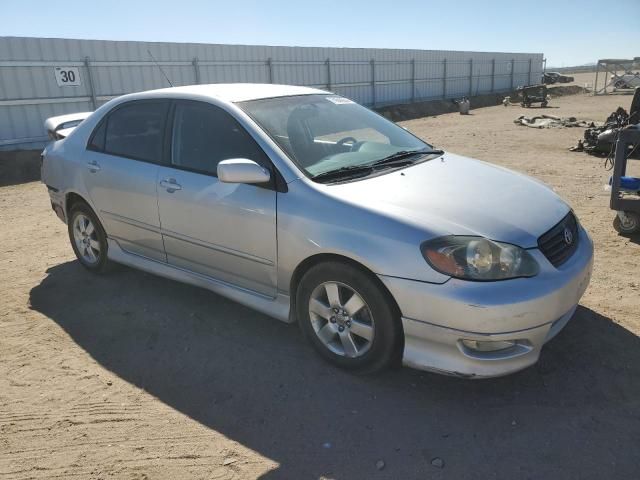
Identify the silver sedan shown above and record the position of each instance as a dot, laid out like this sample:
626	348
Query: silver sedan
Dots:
313	209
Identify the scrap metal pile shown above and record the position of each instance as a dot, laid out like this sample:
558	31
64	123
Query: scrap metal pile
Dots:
600	140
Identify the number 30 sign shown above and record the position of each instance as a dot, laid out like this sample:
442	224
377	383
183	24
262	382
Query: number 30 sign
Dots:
67	76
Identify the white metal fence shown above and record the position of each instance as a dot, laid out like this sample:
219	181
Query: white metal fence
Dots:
40	78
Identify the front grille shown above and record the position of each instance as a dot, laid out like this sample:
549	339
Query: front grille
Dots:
557	245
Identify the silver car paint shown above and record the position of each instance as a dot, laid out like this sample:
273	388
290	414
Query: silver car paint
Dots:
464	197
378	222
126	192
241	170
223	230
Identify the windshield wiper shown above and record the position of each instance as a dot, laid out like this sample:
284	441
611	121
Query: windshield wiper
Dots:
404	155
394	160
350	171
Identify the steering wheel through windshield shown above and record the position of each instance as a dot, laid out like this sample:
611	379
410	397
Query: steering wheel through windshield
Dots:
354	143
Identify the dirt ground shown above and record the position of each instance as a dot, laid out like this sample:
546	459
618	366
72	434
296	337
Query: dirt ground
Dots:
586	78
131	376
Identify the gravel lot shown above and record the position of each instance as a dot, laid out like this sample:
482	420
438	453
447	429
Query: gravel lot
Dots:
130	376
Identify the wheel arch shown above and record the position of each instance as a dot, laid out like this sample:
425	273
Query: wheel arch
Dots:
72	197
310	262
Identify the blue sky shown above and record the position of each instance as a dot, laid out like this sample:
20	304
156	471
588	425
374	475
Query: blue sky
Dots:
568	32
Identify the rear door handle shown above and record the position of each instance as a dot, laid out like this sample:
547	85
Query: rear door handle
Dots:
93	166
170	184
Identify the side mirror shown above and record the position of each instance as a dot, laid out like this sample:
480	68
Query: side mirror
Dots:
241	170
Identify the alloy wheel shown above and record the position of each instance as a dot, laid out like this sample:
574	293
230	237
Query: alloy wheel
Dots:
85	237
341	319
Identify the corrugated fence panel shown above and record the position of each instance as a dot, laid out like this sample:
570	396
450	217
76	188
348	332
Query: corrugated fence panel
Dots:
308	74
30	92
482	74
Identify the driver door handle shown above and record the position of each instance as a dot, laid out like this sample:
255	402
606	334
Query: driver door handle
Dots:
170	184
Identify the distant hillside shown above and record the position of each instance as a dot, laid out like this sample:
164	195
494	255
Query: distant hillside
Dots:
577	69
588	67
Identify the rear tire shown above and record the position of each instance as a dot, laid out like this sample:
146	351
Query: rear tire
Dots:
347	317
631	226
88	238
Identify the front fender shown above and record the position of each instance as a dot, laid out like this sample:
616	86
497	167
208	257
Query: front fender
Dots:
312	223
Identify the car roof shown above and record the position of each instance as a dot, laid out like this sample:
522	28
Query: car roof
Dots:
230	92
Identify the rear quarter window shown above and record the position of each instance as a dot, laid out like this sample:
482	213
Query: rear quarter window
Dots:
96	142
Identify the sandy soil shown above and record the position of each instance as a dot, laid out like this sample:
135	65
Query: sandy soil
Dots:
585	78
136	377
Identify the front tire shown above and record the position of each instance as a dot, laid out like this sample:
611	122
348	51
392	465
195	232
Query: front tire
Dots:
348	317
88	238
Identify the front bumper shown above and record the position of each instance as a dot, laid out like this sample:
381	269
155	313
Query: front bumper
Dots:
526	311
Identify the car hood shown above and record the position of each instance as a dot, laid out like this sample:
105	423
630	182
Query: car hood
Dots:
455	195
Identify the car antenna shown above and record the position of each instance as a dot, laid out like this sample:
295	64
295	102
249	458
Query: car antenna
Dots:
159	67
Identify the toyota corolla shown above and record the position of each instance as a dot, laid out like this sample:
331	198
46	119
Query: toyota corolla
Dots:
313	209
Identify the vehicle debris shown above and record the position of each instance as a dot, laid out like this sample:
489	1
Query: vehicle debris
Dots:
601	139
551	121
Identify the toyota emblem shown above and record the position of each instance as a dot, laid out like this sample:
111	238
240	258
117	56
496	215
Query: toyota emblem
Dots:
568	236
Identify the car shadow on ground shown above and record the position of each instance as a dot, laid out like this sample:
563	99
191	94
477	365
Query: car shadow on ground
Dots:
634	238
573	415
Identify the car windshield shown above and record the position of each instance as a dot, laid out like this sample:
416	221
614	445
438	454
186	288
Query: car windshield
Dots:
327	133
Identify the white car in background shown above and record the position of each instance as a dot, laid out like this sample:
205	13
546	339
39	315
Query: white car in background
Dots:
628	80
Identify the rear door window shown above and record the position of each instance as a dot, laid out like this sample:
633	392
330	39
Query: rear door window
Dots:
136	130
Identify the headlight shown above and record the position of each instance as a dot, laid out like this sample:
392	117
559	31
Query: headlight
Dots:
476	258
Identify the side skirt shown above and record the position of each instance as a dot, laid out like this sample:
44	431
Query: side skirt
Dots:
277	307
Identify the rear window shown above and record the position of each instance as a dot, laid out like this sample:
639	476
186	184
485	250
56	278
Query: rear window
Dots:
136	131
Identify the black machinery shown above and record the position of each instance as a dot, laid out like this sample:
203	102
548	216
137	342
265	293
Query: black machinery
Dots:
533	94
601	140
625	191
